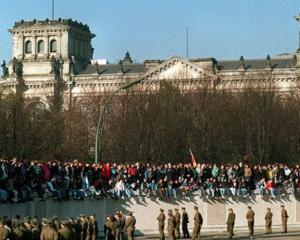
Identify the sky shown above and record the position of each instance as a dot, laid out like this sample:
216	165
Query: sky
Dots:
156	29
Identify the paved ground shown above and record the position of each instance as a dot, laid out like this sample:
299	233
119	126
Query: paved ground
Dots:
258	236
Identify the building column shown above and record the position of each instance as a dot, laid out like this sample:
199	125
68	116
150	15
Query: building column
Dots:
46	46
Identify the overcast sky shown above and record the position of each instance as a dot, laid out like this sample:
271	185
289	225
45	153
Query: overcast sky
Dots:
156	29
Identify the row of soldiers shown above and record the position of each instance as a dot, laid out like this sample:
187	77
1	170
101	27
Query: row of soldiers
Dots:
175	219
82	228
250	216
117	225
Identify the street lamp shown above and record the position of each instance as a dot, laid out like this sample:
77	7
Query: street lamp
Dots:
106	106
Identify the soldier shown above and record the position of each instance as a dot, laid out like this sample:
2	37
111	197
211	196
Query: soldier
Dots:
284	218
118	226
48	232
198	221
250	218
16	232
93	229
4	233
177	226
161	224
35	231
64	233
185	221
171	225
110	228
268	218
122	224
130	226
230	222
83	227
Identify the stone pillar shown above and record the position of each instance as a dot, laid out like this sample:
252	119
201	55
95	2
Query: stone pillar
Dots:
46	46
22	46
34	46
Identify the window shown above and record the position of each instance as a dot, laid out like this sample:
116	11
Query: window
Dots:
40	46
53	46
28	47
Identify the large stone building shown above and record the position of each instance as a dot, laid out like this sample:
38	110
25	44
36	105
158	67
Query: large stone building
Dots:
49	48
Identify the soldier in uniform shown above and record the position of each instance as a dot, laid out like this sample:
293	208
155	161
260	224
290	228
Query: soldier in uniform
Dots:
35	231
198	221
16	232
122	224
110	228
161	224
83	227
268	218
4	233
250	218
130	226
177	226
93	228
230	222
48	232
284	218
171	225
65	233
185	221
118	226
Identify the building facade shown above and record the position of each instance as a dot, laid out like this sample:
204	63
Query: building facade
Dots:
42	50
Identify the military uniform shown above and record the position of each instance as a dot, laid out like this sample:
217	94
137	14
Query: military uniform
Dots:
130	226
161	225
65	234
185	221
35	233
198	221
250	219
268	218
4	234
171	227
110	229
230	224
177	226
284	218
48	233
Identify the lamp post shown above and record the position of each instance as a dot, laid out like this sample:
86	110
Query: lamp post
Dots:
106	106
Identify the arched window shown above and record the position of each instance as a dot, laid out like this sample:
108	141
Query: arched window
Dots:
53	46
40	46
28	47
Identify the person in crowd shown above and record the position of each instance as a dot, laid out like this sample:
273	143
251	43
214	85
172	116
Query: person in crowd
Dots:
230	222
185	221
268	219
161	224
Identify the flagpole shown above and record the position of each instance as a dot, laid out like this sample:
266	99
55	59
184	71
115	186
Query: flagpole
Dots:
52	9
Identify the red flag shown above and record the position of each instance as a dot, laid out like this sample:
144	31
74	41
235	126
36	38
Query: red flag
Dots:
194	164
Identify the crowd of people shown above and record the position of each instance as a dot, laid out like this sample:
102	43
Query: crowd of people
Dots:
22	181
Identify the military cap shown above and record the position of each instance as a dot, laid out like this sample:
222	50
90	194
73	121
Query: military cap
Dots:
130	213
268	208
249	207
34	221
183	208
27	219
195	207
161	210
282	206
64	222
176	209
82	215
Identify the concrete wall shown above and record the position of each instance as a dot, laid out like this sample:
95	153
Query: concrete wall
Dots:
146	210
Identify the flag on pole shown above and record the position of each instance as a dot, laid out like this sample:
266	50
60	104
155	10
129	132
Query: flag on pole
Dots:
194	164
